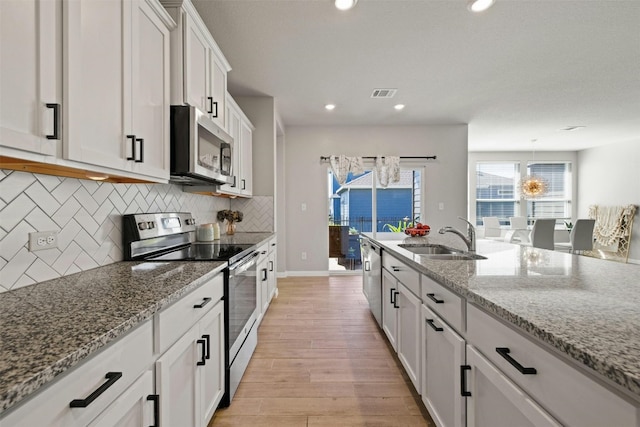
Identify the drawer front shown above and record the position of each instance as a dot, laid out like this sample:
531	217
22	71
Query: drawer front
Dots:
263	251
401	271
570	396
445	303
129	356
177	319
273	242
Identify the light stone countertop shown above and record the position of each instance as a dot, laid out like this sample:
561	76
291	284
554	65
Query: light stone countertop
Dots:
50	327
586	308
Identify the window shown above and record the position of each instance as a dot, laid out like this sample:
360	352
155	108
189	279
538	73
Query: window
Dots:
495	190
557	202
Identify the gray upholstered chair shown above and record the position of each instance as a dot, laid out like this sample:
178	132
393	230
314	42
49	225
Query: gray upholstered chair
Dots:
491	227
542	233
581	236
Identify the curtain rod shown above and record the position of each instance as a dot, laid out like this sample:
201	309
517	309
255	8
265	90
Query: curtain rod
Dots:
327	158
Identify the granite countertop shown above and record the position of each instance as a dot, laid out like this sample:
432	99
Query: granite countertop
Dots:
586	308
49	327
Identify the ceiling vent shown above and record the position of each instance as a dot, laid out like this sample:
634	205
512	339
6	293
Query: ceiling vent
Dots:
384	93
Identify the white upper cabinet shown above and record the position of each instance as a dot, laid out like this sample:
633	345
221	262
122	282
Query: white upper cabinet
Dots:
116	85
31	77
241	130
198	67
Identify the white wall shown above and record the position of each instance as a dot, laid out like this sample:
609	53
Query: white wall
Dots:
523	157
306	179
610	175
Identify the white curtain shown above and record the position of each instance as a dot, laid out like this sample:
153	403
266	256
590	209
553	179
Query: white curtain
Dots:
341	166
388	170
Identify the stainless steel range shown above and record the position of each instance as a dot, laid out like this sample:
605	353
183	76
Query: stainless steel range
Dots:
171	237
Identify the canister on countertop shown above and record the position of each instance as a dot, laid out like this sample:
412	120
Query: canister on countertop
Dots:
204	232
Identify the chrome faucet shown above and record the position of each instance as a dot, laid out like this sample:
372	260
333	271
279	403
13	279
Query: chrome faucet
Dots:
470	240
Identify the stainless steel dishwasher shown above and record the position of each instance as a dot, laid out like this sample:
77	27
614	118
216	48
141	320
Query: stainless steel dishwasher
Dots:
372	276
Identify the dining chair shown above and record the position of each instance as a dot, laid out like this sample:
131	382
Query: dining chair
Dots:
542	233
518	222
581	236
491	227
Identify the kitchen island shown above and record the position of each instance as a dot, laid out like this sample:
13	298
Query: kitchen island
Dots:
584	310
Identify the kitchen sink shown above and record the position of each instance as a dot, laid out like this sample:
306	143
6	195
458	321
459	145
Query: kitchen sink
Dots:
440	252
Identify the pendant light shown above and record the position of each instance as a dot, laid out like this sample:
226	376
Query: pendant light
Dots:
533	186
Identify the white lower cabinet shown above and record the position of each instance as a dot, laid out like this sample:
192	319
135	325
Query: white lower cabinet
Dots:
190	374
444	354
494	400
401	324
272	278
136	407
79	398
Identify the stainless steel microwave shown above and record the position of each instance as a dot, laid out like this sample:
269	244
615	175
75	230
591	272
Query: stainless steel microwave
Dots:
201	151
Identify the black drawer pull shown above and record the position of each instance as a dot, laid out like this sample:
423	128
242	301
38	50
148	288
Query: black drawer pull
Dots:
392	296
504	352
244	184
133	147
210	99
156	409
204	302
270	265
111	378
264	274
463	380
202	360
207	354
395	268
395	300
215	115
433	298
433	325
56	121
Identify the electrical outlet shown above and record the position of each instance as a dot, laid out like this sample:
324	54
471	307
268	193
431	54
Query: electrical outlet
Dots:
40	240
303	255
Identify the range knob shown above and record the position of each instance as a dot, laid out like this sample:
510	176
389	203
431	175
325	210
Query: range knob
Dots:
190	221
151	225
143	225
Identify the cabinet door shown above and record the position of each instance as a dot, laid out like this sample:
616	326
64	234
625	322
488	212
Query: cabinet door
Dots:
196	66
212	373
272	278
136	407
409	348
233	128
218	91
246	163
389	308
443	354
261	293
177	381
496	401
150	92
31	77
97	84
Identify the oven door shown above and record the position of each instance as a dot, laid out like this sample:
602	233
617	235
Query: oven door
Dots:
242	301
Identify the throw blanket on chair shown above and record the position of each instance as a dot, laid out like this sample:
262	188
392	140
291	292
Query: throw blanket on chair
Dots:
610	225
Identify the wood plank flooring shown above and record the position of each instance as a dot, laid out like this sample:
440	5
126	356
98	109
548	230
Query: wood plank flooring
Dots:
321	360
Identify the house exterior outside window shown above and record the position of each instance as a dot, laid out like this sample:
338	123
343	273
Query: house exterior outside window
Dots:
496	190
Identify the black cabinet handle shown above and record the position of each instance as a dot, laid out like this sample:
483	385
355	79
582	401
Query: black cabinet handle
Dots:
215	115
270	265
504	352
133	147
204	302
207	354
141	159
111	378
263	252
244	184
264	274
395	268
56	121
395	300
463	380
433	298
433	325
202	360
210	99
235	178
367	266
156	409
392	296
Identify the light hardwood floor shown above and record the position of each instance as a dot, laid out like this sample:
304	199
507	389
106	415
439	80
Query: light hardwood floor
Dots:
321	360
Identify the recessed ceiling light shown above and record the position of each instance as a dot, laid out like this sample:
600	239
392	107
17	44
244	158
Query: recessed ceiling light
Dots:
345	4
398	107
479	5
330	107
572	128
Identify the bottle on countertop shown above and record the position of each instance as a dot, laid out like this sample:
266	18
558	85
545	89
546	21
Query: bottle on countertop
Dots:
216	231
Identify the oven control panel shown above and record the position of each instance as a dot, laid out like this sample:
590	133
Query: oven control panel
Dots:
140	227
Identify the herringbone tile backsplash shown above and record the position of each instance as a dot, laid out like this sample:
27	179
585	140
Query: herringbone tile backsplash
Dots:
258	213
87	215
